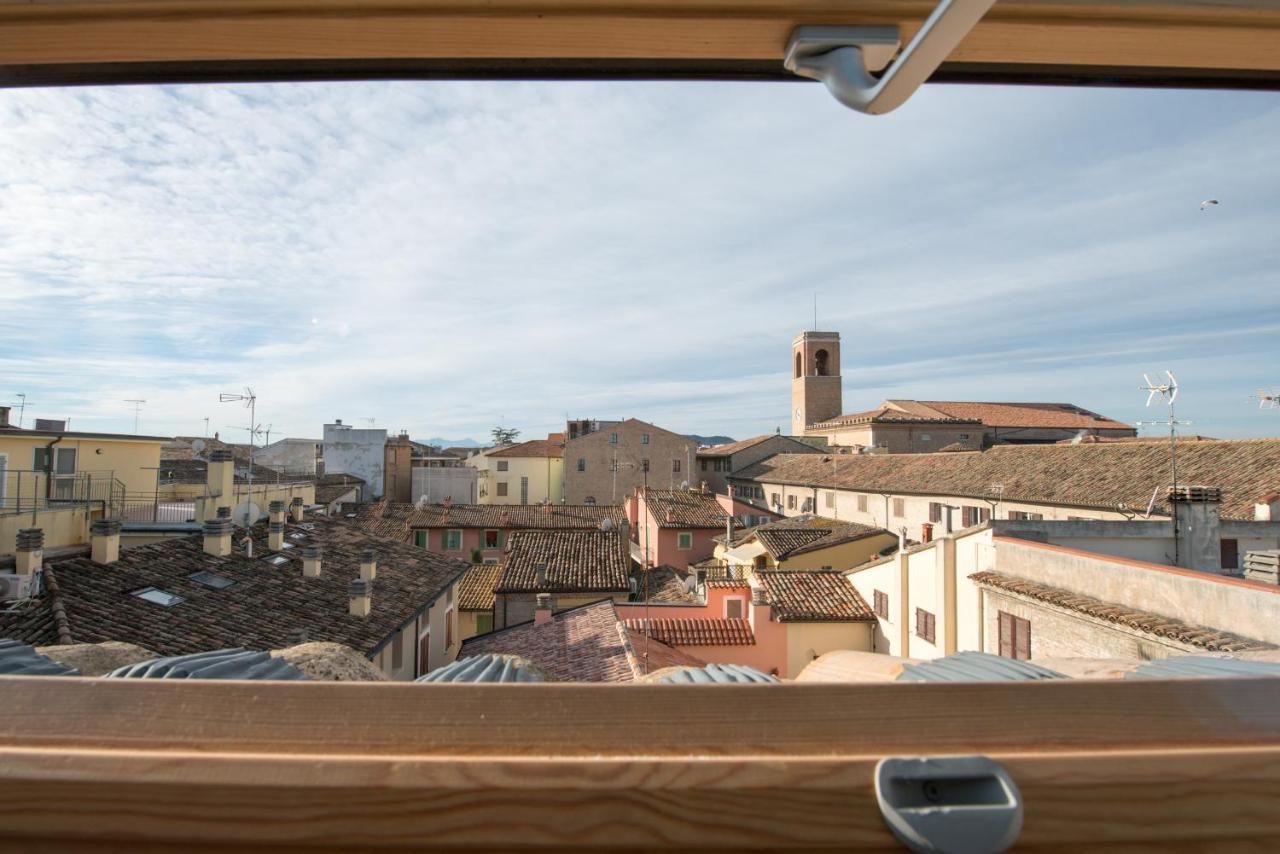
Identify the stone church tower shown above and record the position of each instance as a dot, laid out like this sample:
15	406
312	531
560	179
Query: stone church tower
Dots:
815	379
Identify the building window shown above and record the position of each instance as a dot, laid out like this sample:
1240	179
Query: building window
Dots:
759	492
675	466
798	366
684	540
882	605
963	437
862	504
582	464
733	609
159	597
613	465
613	438
820	367
448	628
644	464
644	438
453	540
484	622
899	507
971	516
829	499
503	465
590	499
502	489
420	538
935	511
1024	516
715	465
397	653
924	625
1015	637
791	502
703	464
1230	554
775	499
492	539
925	437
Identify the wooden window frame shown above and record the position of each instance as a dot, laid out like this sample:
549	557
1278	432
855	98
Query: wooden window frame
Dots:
926	626
1013	636
682	537
881	604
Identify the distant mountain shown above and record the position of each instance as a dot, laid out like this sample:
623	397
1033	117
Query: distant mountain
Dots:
710	440
453	443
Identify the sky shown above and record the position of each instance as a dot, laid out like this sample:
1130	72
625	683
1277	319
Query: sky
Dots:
444	257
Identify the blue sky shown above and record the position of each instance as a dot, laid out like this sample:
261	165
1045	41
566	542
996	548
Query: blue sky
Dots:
441	257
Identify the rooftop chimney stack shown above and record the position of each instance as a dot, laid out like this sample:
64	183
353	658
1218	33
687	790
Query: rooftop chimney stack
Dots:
217	537
4	416
540	575
311	556
368	565
104	541
1197	515
221	478
223	513
542	614
728	531
296	509
29	556
359	598
1266	508
704	487
275	535
275	512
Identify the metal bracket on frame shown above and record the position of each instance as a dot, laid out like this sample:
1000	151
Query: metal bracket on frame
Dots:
949	804
844	57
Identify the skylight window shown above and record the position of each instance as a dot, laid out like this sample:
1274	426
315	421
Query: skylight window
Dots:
158	596
287	546
208	579
277	560
297	535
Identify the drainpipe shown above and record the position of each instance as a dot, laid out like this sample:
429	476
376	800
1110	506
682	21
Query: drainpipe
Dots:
48	477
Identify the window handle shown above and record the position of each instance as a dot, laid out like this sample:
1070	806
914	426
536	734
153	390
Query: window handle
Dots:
952	804
844	57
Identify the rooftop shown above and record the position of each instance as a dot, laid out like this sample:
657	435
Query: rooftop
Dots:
573	562
584	644
475	591
802	596
732	448
541	448
1085	475
889	415
399	519
695	631
784	538
264	603
683	508
1061	416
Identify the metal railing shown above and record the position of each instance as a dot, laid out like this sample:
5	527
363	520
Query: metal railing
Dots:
32	490
152	507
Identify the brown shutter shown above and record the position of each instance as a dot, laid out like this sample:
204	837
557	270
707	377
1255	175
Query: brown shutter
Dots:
1022	639
1006	635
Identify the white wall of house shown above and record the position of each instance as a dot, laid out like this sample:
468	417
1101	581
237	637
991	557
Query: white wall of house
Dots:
293	456
456	483
358	452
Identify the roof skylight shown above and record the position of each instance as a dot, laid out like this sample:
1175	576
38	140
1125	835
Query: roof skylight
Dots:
277	560
158	596
209	579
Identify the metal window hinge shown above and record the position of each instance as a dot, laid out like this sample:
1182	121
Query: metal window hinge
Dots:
844	57
949	804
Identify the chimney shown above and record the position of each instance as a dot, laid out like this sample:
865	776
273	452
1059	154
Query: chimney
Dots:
540	575
1197	525
448	502
297	637
29	557
728	531
926	532
104	541
217	537
359	598
223	513
1266	508
368	565
4	416
311	556
220	481
275	512
295	509
704	488
275	536
542	614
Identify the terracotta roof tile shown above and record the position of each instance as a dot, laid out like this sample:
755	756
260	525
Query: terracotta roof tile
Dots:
574	561
730	448
1146	621
475	591
399	519
584	644
888	415
682	508
694	631
1087	475
801	596
1059	416
541	448
794	535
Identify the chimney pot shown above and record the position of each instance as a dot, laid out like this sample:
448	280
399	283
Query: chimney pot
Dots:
217	537
758	596
296	509
276	507
359	598
275	536
29	557
542	614
224	512
368	565
311	557
104	541
540	575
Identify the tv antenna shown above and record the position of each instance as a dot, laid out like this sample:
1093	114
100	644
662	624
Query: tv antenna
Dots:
22	406
206	427
250	400
137	407
1267	399
1168	392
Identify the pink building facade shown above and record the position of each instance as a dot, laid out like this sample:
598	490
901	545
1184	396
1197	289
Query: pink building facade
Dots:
676	528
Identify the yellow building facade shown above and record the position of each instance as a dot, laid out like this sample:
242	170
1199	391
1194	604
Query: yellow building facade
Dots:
528	473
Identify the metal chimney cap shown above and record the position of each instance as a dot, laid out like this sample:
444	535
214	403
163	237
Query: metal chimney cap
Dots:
220	456
368	555
104	527
312	552
359	587
276	507
224	512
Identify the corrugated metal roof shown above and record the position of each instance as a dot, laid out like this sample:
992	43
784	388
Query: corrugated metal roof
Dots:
716	674
219	664
18	659
1204	667
493	667
975	667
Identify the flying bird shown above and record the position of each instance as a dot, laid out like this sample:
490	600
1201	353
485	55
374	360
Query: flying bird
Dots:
1207	202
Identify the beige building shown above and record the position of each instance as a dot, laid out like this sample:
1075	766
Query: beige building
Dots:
717	463
803	542
815	380
573	567
606	460
892	431
528	473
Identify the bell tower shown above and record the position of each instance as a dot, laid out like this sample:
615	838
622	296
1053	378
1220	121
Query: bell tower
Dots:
815	379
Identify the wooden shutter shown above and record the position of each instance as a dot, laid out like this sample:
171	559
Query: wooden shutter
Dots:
1006	635
1021	639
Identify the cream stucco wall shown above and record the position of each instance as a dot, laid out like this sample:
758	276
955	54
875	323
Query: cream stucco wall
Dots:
842	556
807	641
67	526
545	474
133	462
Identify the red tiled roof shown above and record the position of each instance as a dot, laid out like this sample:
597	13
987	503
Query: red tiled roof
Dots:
1061	416
731	448
475	590
801	596
694	631
888	415
575	562
1095	476
547	516
533	448
794	535
584	644
682	508
1164	627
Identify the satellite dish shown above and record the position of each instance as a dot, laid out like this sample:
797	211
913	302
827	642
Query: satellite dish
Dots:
246	513
197	445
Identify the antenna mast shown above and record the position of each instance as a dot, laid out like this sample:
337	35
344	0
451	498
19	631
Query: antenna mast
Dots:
22	406
1168	391
137	407
250	401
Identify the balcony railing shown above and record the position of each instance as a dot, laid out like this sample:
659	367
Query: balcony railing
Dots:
32	491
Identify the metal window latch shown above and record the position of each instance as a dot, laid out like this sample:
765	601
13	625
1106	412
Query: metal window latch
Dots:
844	57
949	804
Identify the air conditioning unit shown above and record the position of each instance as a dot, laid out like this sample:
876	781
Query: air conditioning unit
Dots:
14	587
